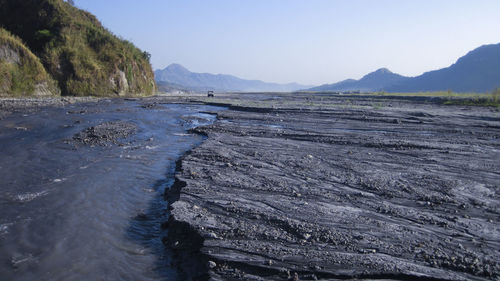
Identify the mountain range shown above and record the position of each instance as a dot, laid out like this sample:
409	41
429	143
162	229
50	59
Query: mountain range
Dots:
477	71
179	76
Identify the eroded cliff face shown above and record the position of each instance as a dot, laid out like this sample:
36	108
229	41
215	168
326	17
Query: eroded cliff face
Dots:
21	73
9	55
119	82
133	78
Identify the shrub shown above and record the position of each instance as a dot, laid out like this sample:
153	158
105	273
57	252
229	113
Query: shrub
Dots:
21	76
495	95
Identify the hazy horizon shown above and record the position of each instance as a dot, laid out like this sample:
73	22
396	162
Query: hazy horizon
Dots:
309	42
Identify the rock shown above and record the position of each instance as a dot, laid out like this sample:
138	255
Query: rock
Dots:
212	235
105	133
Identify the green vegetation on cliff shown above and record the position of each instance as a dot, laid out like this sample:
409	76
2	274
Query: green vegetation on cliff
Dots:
84	58
21	72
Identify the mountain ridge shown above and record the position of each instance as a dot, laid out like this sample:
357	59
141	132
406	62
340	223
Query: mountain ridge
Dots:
179	75
373	81
477	71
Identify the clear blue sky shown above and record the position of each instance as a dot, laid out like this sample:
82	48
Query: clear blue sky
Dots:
305	41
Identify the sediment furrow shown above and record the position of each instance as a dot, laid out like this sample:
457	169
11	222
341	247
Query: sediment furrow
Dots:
306	198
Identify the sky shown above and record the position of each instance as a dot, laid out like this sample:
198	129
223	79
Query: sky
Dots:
311	42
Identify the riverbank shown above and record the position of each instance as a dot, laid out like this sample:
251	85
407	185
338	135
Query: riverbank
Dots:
26	105
329	187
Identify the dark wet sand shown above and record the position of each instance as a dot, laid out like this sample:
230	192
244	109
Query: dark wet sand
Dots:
334	187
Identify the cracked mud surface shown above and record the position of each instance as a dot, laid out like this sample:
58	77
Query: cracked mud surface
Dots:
340	188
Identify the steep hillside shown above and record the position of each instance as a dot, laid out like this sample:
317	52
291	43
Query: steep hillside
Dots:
21	73
478	71
83	56
374	81
179	75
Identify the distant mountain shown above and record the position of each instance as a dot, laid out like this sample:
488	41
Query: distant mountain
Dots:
478	71
176	74
168	87
374	81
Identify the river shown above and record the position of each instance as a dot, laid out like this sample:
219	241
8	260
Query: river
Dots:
70	211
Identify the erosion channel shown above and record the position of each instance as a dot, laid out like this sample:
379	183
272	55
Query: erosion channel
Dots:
82	188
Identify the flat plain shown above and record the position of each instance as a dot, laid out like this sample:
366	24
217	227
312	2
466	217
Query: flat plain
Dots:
322	186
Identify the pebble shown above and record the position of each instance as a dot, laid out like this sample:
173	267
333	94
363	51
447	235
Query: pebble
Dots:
212	235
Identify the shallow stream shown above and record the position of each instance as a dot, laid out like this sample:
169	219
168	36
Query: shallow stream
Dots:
70	211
